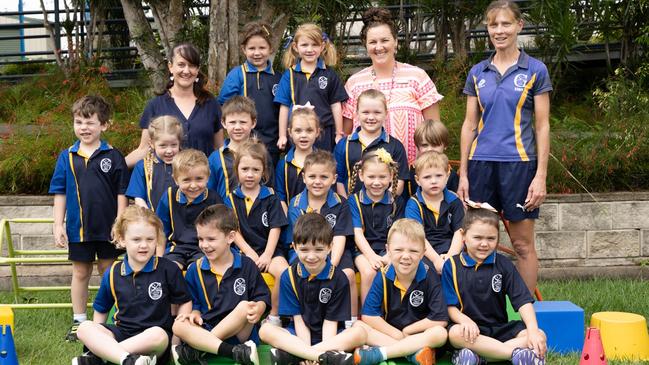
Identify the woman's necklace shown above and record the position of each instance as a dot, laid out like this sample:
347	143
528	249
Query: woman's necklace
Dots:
375	84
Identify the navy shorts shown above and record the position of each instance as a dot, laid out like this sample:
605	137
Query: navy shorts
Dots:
503	332
122	334
504	185
92	250
183	254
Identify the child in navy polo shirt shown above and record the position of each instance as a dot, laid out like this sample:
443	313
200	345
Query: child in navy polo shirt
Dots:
404	313
142	289
438	209
319	175
307	79
152	176
431	135
256	79
304	129
89	182
315	294
179	206
374	208
260	213
228	292
372	110
239	119
475	283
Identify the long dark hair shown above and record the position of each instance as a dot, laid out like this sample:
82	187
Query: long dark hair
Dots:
189	52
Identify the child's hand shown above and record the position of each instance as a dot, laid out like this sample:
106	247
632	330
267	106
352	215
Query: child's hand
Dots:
253	315
463	189
470	331
385	260
375	261
536	341
182	317
443	256
281	143
339	136
263	262
439	264
195	318
60	237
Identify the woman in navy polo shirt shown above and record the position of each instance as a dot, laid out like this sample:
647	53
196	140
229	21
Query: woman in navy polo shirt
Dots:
187	99
505	138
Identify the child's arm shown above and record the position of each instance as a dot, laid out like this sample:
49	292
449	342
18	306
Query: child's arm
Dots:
470	330
122	203
456	211
456	244
400	185
340	189
434	257
422	325
255	311
245	247
379	324
301	329
60	237
141	203
99	317
329	330
185	309
337	249
341	168
535	340
337	112
283	126
361	242
264	260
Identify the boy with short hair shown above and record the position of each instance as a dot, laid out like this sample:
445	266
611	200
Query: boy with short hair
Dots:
315	294
89	183
228	293
238	118
180	205
404	312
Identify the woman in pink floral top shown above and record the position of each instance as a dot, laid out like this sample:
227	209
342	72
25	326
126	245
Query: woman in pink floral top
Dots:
410	93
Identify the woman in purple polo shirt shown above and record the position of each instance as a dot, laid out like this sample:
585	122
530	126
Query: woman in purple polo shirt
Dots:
505	139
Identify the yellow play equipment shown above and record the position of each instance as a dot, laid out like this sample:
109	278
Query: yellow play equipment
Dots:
624	335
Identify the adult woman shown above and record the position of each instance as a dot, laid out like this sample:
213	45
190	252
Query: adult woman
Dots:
186	99
410	93
504	155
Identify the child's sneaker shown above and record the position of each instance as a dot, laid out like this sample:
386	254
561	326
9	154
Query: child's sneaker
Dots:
466	357
71	336
425	356
336	358
281	357
367	356
246	353
521	356
88	358
133	359
184	354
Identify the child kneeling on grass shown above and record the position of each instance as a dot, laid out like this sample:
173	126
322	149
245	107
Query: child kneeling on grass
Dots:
142	287
315	294
404	313
475	283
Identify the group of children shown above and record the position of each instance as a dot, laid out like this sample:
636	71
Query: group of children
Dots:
311	219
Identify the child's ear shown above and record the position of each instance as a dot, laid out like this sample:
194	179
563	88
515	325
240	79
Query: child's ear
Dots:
254	122
230	237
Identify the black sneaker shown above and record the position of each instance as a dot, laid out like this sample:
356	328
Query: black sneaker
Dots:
246	353
133	359
88	358
184	354
280	357
71	336
336	358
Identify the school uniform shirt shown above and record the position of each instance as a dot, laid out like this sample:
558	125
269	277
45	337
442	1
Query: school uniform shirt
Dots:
350	150
142	299
150	185
288	177
375	218
506	128
178	214
324	296
199	129
480	290
216	295
260	85
411	186
91	185
258	217
440	226
401	306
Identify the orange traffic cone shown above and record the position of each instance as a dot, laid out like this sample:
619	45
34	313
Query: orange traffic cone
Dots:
593	353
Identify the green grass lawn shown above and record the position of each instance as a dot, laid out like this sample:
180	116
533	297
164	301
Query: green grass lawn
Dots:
39	333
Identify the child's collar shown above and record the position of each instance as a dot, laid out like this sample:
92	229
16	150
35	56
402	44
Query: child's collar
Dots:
326	273
385	137
422	271
151	265
249	67
468	261
366	200
319	65
182	198
236	261
264	192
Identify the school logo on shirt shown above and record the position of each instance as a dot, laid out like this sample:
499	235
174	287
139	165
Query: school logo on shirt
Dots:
325	295
155	290
239	286
497	283
331	218
264	219
322	82
416	298
274	89
105	164
482	83
388	220
519	81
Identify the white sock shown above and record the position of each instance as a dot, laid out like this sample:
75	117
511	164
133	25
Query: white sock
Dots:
121	360
275	320
79	317
384	354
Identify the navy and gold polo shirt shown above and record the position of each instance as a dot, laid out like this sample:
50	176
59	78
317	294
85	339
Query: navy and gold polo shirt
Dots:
288	177
401	306
142	299
178	214
316	298
215	295
411	186
375	218
258	217
150	185
350	150
479	290
91	185
439	226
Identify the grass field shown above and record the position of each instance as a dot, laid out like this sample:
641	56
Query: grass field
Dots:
39	333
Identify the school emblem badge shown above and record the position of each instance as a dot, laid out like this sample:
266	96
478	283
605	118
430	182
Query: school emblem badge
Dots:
416	298
388	220
331	218
264	219
105	164
482	83
520	80
274	89
239	286
155	290
497	283
322	82
325	295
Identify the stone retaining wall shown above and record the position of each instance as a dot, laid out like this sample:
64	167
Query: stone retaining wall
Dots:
575	236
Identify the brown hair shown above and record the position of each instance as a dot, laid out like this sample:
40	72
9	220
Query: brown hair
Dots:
256	29
220	217
190	53
255	149
374	17
320	157
503	5
432	132
372	94
312	228
409	228
239	104
133	214
305	113
189	159
89	105
314	33
431	159
377	157
473	215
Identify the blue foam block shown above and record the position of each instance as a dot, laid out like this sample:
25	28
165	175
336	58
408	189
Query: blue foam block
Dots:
563	323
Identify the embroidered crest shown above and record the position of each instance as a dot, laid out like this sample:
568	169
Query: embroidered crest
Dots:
325	295
239	286
264	219
388	220
322	82
416	298
331	218
105	164
155	290
520	80
274	89
482	83
497	283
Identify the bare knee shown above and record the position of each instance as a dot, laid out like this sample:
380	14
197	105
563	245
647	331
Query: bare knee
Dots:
359	333
455	335
86	328
179	327
436	336
82	270
157	337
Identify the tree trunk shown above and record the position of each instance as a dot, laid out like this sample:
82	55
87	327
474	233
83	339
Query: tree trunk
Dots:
278	21
51	40
233	34
147	47
168	16
217	58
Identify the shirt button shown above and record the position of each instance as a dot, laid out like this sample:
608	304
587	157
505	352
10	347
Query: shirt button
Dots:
137	287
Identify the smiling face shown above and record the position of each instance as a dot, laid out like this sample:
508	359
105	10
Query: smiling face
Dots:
140	240
166	146
480	239
183	72
250	171
257	51
404	254
238	126
313	256
432	180
192	181
304	132
213	242
371	114
88	130
308	49
503	29
318	179
380	44
376	177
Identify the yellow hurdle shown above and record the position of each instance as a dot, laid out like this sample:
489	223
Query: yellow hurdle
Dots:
624	335
7	317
